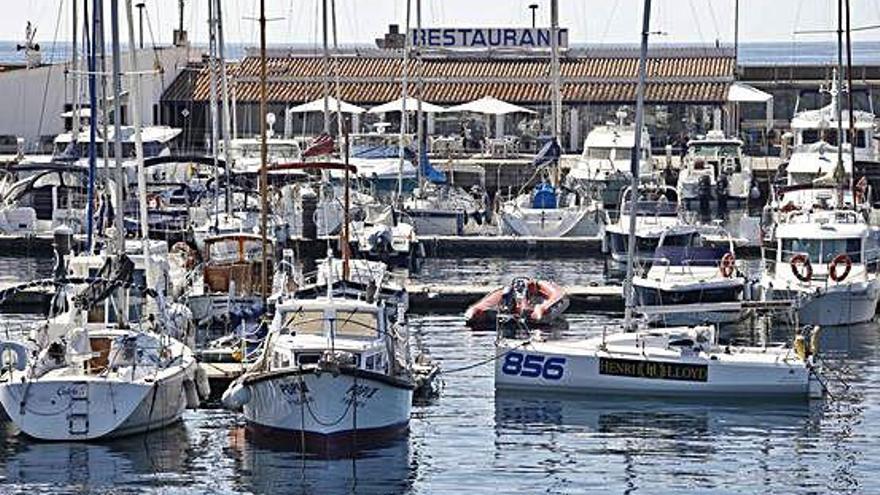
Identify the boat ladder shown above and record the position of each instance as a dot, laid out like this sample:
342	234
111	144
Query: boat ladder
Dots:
78	414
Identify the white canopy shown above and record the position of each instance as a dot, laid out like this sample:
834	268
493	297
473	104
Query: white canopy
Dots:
318	106
489	105
412	105
743	93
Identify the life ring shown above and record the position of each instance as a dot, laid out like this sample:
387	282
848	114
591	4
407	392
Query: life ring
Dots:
728	264
801	259
832	267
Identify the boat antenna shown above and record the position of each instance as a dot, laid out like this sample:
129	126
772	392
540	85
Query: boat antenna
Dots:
264	176
135	105
117	148
634	167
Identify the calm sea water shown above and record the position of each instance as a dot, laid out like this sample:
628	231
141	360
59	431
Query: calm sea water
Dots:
474	440
750	53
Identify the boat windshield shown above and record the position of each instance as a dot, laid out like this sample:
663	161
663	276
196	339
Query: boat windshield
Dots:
715	150
356	323
662	207
304	322
599	153
689	255
822	250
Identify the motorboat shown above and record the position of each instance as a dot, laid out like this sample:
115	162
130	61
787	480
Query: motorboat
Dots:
657	215
534	302
691	284
334	374
824	260
550	212
376	155
603	169
48	198
715	184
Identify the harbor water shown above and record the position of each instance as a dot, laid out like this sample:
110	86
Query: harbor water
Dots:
473	440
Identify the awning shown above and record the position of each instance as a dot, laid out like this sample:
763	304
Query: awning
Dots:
489	105
333	103
743	93
412	105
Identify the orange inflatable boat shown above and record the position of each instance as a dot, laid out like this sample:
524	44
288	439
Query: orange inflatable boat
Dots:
537	302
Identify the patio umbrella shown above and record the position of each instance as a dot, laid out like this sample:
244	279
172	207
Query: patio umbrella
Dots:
489	105
412	105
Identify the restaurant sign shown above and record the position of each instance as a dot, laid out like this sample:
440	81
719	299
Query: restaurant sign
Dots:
484	38
637	368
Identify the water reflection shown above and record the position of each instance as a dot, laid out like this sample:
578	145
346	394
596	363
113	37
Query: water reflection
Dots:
127	464
383	470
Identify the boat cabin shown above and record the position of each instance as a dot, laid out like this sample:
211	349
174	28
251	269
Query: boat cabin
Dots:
233	262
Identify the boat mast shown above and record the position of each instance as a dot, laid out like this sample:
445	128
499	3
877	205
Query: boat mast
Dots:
212	102
224	97
634	167
401	146
135	104
556	107
117	147
340	126
420	130
838	108
264	176
325	84
93	126
74	75
849	99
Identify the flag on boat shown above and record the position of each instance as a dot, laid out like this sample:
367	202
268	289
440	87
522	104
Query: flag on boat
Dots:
320	146
549	153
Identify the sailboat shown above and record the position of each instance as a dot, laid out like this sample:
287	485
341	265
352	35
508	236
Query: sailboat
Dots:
88	373
675	361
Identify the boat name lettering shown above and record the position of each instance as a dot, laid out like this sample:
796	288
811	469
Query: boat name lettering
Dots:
361	392
69	391
533	366
653	369
294	390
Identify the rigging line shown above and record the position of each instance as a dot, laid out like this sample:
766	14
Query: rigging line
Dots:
714	21
155	48
49	71
697	22
610	21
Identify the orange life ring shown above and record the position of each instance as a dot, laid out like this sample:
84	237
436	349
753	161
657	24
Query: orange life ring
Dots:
832	267
728	264
801	259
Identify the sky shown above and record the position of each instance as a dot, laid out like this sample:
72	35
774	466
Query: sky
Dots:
361	21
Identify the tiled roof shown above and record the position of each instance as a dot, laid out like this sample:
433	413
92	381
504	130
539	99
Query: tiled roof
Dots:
370	80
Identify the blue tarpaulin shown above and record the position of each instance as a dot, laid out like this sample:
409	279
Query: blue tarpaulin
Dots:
428	171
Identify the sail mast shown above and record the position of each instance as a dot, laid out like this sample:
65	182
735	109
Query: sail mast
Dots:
634	166
344	239
212	101
264	272
325	84
224	97
135	104
401	146
117	147
838	108
420	129
853	135
93	136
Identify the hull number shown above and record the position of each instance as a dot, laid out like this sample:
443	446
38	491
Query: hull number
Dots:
533	366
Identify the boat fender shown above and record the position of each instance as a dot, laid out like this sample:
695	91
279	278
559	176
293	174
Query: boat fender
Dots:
728	264
203	386
798	260
236	396
800	347
832	267
192	395
814	340
19	362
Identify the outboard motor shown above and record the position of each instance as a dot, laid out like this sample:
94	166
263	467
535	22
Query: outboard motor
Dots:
704	192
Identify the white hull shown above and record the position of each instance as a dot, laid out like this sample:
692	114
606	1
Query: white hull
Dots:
842	304
585	370
319	405
561	222
89	407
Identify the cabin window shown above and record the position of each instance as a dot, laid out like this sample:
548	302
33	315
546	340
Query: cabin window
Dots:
861	140
809	136
307	358
280	360
224	251
356	324
599	153
822	251
305	322
371	360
